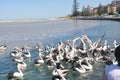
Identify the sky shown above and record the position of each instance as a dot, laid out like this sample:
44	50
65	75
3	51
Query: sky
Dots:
41	9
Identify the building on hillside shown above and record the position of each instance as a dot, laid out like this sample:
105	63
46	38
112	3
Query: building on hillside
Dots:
95	11
111	9
118	9
101	10
117	4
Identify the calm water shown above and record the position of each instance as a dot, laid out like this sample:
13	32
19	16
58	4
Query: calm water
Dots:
50	33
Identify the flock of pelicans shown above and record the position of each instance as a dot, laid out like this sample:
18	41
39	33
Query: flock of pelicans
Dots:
80	57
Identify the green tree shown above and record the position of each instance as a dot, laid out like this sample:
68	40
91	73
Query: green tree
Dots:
83	11
75	11
101	10
86	12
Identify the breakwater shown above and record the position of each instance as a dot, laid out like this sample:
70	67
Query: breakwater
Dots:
97	18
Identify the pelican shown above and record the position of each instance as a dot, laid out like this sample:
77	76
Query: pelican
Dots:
106	47
50	61
70	49
96	44
67	48
79	68
115	44
39	46
61	50
15	54
84	51
50	64
57	75
26	53
59	66
3	48
59	70
39	62
70	53
86	64
62	72
59	57
71	43
22	65
86	39
19	58
18	74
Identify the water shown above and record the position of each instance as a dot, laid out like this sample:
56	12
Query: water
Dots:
50	33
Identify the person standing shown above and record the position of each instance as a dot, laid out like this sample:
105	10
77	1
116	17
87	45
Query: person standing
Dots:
112	72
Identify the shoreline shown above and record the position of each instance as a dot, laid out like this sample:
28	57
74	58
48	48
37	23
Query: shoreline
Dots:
32	20
63	18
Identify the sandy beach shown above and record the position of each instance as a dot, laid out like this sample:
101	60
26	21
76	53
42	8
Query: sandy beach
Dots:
32	20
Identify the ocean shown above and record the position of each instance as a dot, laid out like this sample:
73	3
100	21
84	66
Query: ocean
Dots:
49	33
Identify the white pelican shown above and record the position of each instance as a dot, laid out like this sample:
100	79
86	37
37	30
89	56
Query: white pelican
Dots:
18	74
71	43
70	48
39	46
62	72
86	39
19	58
57	75
86	64
22	65
59	66
69	53
26	53
106	47
79	68
39	62
61	50
84	51
95	45
15	54
115	44
59	70
59	58
3	48
50	61
50	64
